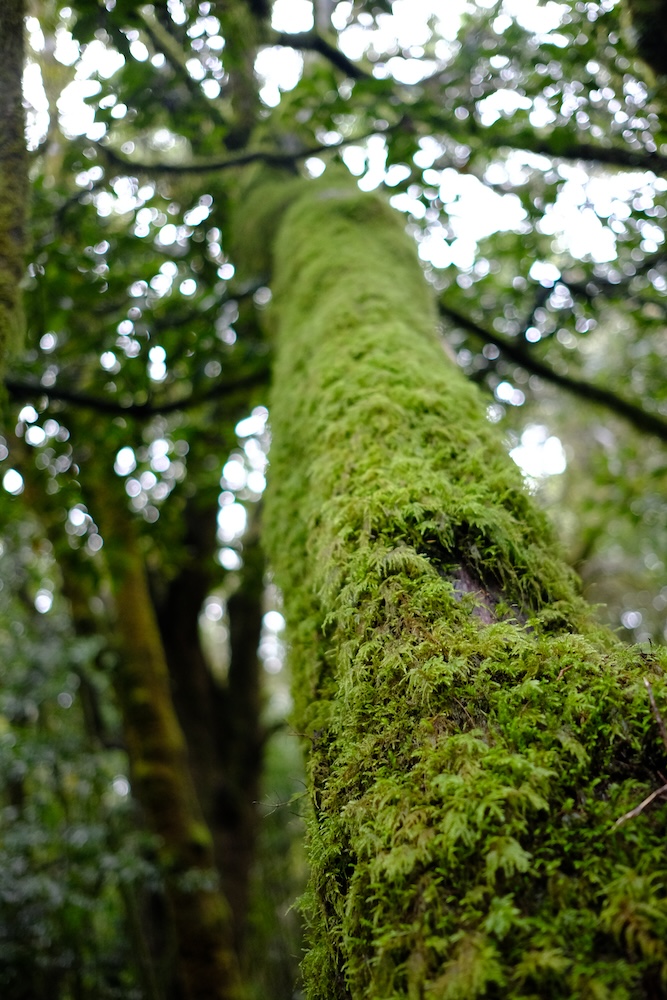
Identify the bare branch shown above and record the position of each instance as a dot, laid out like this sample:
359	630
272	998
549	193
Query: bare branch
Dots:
637	416
272	157
29	390
593	286
615	156
317	43
640	808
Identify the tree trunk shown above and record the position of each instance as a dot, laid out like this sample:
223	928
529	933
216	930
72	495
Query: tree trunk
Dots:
241	734
159	771
13	174
178	604
473	736
221	723
649	33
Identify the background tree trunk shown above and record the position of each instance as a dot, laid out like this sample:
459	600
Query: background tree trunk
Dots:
474	738
160	775
13	174
221	722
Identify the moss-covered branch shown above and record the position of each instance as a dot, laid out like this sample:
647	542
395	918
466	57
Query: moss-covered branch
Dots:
13	174
473	735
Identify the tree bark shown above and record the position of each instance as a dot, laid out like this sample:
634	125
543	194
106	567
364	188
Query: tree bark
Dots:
649	23
241	735
159	772
474	738
13	175
221	722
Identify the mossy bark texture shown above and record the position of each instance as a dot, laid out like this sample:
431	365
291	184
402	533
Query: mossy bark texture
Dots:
472	735
13	174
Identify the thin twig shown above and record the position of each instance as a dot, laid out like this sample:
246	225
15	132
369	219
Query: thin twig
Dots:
640	808
663	733
563	672
656	714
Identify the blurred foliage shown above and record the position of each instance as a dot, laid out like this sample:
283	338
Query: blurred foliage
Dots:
526	145
73	866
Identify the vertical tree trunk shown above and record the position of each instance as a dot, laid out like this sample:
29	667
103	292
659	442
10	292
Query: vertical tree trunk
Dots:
241	24
221	723
649	33
13	174
160	776
241	733
474	737
178	603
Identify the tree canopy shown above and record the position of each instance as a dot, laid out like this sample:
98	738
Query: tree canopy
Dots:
152	788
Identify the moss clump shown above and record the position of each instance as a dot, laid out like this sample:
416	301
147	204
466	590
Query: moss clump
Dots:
263	198
473	734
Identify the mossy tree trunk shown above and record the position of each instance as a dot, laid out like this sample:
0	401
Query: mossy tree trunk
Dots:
160	774
13	174
473	736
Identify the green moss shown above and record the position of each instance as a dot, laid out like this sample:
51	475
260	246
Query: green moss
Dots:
473	734
263	199
200	836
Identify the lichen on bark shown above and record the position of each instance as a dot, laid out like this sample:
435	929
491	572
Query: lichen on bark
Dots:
466	767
